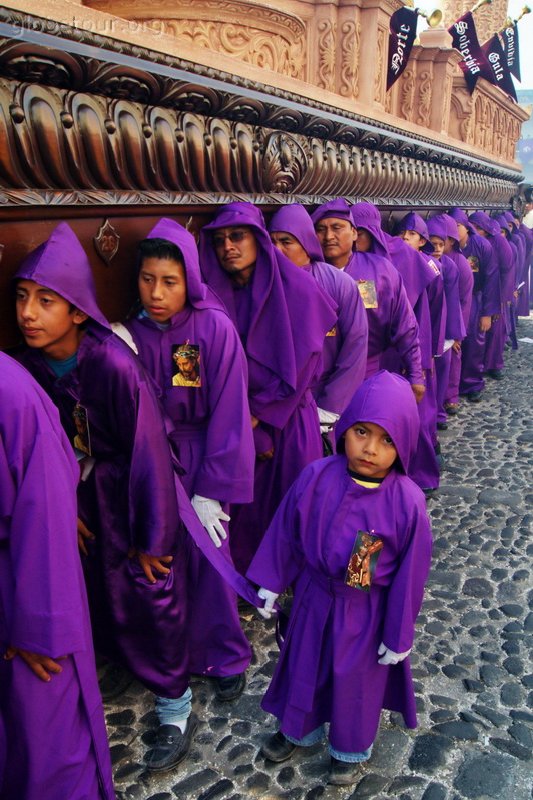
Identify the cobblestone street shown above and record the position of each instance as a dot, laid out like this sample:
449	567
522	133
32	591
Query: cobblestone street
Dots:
471	658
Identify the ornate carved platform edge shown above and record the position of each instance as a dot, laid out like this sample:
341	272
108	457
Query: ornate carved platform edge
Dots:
148	200
63	56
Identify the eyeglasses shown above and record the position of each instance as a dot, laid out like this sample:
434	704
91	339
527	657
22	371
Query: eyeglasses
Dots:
233	236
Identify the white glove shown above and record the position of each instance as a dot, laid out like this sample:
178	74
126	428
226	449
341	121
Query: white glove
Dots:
389	656
327	420
210	515
270	598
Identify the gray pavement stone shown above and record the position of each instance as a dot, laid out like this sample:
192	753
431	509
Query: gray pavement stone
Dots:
470	660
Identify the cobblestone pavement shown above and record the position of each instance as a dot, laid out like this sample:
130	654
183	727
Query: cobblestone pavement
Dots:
471	660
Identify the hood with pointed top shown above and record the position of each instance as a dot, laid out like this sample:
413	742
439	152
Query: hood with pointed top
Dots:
295	220
367	216
385	399
61	264
414	222
461	217
483	221
337	208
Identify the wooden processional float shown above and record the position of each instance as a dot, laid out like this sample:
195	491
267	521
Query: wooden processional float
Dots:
110	121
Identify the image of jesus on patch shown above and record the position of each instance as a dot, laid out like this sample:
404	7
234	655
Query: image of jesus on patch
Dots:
186	365
363	561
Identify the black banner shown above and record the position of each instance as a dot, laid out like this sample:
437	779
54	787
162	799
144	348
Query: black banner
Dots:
464	39
401	37
501	76
511	50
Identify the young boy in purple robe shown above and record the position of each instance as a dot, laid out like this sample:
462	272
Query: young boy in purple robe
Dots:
352	537
181	321
495	338
345	346
282	317
55	744
508	286
455	330
131	533
391	321
485	303
465	286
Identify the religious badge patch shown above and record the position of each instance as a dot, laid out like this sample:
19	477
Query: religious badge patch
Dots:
82	438
332	332
363	561
367	290
186	365
474	263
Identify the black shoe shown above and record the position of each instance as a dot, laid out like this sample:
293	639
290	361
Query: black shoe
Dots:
442	426
230	688
495	374
473	397
171	746
277	748
451	409
114	682
342	773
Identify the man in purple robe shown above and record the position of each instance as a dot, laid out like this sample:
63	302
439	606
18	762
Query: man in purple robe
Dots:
282	317
352	538
51	712
345	346
465	287
130	529
210	421
495	338
455	329
485	303
412	230
391	321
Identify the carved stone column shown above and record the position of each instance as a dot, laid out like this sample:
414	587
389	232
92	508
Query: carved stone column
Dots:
374	19
434	71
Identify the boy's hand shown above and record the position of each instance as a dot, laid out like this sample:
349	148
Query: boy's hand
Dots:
484	324
42	666
389	656
270	598
266	456
84	533
419	391
456	346
149	562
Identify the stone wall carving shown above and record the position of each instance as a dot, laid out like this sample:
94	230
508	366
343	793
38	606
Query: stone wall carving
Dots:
350	42
327	32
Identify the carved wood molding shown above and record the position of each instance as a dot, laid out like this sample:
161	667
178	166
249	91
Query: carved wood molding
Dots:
73	148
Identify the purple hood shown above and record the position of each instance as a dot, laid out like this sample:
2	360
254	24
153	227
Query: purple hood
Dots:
438	226
461	217
367	216
483	221
414	222
198	293
61	264
337	208
295	220
385	399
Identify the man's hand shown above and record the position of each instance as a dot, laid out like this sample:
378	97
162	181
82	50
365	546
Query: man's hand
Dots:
484	324
148	563
419	391
84	533
41	666
456	346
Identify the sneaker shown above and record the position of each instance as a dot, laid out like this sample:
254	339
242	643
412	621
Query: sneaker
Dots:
114	682
277	748
495	374
343	773
171	746
230	687
473	397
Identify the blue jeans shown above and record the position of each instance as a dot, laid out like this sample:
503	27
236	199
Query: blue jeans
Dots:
318	734
171	710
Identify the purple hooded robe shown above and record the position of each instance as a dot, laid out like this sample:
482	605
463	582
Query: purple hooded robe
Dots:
455	329
522	308
391	323
345	346
465	286
129	498
211	425
327	669
485	303
282	317
56	742
502	253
